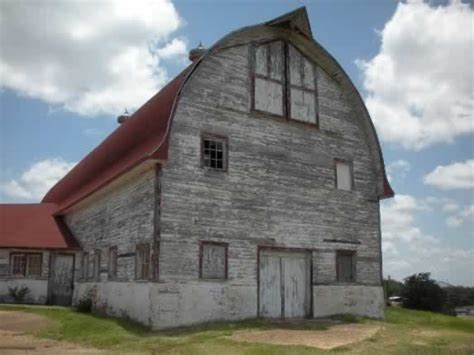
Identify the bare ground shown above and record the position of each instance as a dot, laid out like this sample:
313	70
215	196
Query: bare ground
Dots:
14	339
335	336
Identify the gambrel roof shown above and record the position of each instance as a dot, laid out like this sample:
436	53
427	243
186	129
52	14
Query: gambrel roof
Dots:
144	136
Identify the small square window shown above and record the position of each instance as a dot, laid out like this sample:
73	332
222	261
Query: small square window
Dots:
345	261
213	260
34	264
142	262
214	153
344	175
112	262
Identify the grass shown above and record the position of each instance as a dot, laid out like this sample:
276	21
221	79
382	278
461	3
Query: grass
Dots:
404	332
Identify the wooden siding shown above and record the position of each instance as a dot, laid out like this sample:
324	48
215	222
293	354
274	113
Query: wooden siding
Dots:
279	188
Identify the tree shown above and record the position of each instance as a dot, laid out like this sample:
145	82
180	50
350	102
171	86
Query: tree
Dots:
392	287
421	292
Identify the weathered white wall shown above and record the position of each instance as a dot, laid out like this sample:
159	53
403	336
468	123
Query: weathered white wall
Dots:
122	216
38	286
365	301
197	301
118	299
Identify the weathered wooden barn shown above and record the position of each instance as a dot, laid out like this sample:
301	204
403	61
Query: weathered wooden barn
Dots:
248	187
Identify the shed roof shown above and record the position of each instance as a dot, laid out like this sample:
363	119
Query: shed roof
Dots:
33	226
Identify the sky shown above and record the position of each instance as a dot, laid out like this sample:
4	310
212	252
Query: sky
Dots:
68	69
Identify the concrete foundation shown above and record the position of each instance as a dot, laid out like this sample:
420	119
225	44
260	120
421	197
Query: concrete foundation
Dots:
367	301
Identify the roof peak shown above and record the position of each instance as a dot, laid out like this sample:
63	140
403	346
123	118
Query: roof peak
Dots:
297	20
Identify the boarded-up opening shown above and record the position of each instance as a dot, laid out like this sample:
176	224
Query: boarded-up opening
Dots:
284	284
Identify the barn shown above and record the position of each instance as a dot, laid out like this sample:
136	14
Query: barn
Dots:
248	187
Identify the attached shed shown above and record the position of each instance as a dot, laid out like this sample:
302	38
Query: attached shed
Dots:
37	252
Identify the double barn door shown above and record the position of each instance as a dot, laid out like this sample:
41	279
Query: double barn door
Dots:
284	284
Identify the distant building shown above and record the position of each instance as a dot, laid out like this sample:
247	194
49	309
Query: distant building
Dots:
249	186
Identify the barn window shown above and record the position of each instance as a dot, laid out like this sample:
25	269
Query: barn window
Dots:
284	82
96	264
26	264
112	262
85	265
345	261
213	260
33	264
214	153
18	264
344	179
142	261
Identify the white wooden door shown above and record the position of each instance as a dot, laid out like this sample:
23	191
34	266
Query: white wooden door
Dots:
270	286
284	287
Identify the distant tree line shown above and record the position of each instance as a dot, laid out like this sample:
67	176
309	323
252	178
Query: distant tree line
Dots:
419	291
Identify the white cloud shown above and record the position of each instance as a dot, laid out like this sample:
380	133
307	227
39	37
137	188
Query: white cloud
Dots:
176	48
398	169
420	84
408	249
89	57
454	176
36	180
462	216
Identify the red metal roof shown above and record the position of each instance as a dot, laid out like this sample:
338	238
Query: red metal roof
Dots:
33	226
144	135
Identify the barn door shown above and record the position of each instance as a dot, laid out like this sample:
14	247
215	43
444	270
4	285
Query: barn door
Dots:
284	287
61	279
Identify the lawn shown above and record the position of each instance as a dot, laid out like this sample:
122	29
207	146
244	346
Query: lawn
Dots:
404	332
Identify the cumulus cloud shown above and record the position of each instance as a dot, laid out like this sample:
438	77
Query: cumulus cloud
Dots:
462	216
398	169
89	57
458	175
36	180
420	84
408	249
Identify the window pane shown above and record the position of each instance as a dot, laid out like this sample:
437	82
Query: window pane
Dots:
261	60
34	265
308	71
276	60
18	265
112	262
213	262
345	267
295	66
303	105
344	178
142	261
214	155
268	96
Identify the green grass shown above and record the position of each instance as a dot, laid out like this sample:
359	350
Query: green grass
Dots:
404	332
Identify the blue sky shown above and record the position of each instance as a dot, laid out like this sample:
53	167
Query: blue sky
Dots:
411	61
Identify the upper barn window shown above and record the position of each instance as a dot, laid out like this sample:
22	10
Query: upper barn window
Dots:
284	82
214	152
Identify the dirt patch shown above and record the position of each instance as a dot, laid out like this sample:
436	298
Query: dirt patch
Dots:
333	337
22	322
14	340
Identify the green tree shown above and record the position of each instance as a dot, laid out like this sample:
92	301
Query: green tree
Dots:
392	287
422	292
